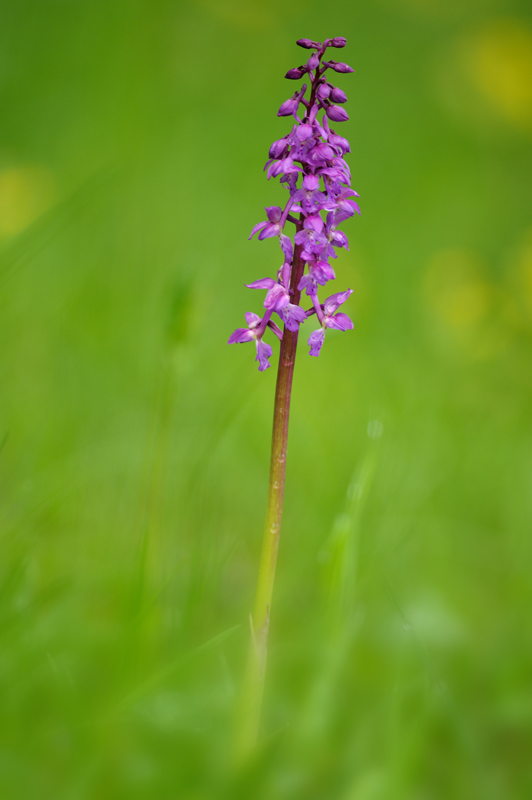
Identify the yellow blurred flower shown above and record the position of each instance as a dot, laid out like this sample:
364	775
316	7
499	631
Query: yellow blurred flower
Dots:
458	293
525	272
498	62
25	193
256	15
519	278
456	289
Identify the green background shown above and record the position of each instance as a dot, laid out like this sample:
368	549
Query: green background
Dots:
135	449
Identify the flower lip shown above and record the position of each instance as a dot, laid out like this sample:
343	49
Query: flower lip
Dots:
315	341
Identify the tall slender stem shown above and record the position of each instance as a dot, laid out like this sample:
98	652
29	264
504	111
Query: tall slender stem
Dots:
251	699
281	413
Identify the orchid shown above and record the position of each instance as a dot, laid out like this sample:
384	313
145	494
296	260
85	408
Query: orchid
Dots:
309	162
328	319
316	206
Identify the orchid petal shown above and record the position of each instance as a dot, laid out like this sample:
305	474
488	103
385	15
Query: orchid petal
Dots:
257	227
286	246
314	222
263	283
339	321
334	301
270	229
253	320
293	316
240	335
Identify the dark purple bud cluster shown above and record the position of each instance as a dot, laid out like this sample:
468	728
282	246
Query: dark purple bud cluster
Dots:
324	199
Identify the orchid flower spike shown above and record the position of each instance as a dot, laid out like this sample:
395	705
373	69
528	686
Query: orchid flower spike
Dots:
309	162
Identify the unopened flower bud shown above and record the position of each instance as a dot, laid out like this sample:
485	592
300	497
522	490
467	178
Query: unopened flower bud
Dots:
339	41
296	73
337	96
313	61
323	91
278	148
306	43
336	113
341	67
289	106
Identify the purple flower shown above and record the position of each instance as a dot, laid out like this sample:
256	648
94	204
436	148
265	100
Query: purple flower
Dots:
320	155
278	148
329	307
311	200
345	208
277	297
329	319
316	151
271	227
336	238
283	167
242	335
264	352
319	272
293	316
312	242
340	144
315	341
252	332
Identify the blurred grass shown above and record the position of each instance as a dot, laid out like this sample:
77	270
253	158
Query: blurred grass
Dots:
136	443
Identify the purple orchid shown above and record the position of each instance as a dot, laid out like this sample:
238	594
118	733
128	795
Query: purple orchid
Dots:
309	162
255	332
317	205
328	319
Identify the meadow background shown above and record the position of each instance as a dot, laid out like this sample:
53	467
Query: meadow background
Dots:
135	443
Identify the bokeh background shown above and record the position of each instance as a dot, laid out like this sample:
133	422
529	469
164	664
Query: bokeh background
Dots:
135	443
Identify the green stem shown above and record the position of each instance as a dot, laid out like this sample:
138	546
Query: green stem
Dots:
251	699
